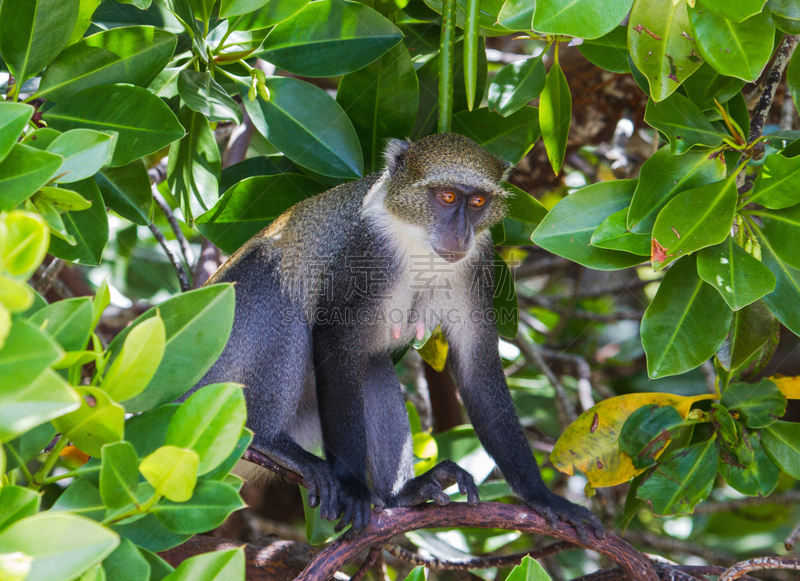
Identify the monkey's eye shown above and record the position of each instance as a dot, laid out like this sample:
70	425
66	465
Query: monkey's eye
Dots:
477	201
447	197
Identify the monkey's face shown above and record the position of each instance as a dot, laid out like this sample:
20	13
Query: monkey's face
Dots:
459	213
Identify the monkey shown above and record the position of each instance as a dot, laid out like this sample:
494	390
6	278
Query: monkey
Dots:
339	282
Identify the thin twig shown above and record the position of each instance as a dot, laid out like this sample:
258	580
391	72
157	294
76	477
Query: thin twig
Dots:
372	557
532	352
173	223
759	564
477	562
176	263
584	374
48	276
673	545
791	541
784	498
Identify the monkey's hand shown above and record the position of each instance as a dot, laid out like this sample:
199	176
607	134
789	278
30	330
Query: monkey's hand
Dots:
554	508
323	490
432	484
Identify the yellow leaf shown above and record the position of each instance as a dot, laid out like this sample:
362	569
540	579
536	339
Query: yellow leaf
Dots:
789	386
426	449
591	442
434	351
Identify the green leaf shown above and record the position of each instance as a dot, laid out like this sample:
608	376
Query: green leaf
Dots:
609	52
381	100
149	534
508	138
581	18
215	566
201	9
119	475
792	81
330	38
706	84
516	15
682	122
15	296
26	354
84	151
735	11
25	244
784	301
209	506
62	199
62	545
613	234
27	446
119	108
40	138
262	165
663	176
555	112
81	497
736	50
190	349
13	119
751	328
250	205
88	227
201	93
660	46
524	214
647	432
98	421
759	478
489	11
138	361
148	431
776	184
32	403
126	190
516	84
84	19
685	324
224	468
17	503
567	229
781	440
126	563
33	32
694	219
68	322
527	570
172	472
23	171
308	126
681	480
209	422
418	574
194	165
230	8
783	230
758	405
131	54
159	567
737	276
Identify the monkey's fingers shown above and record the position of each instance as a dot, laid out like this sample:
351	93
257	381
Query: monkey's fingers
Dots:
347	518
467	487
377	502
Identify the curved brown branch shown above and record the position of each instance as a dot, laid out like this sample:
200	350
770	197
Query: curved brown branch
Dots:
739	570
393	521
773	79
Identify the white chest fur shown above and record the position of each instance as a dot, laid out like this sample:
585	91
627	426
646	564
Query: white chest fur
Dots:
428	291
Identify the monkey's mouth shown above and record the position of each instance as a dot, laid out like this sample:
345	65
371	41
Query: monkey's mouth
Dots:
450	254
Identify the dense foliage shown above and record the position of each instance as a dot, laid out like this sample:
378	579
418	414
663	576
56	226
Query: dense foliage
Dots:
111	104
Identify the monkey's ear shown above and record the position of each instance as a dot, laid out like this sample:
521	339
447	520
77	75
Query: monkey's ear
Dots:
508	167
393	154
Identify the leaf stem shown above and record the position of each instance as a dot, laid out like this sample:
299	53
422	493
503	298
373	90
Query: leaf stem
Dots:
22	467
446	49
51	460
78	472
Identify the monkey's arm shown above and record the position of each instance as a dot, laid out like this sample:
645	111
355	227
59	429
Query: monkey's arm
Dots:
478	370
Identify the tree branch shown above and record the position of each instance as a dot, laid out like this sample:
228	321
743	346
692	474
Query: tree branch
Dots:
773	79
759	564
393	521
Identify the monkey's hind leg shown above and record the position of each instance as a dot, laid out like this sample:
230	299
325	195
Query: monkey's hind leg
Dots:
390	458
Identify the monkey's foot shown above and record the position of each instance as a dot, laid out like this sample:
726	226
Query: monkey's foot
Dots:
432	484
553	509
355	503
323	490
